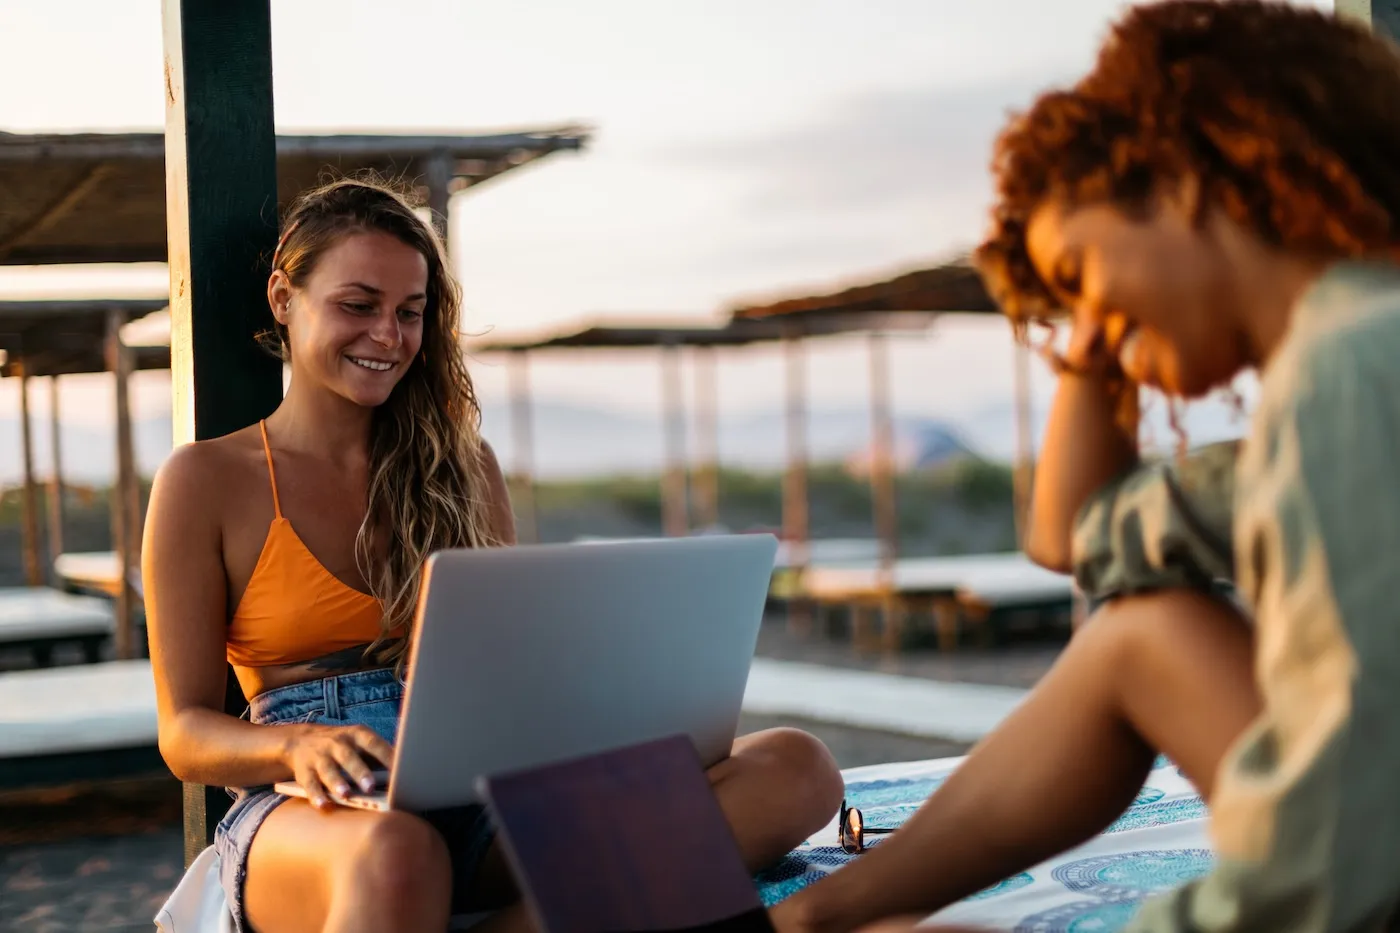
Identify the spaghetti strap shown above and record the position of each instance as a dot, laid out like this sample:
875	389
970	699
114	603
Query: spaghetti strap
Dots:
271	473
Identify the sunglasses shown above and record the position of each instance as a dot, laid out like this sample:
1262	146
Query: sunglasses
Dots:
853	830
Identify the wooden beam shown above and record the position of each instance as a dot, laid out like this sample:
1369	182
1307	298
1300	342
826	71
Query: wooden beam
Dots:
54	211
394	147
705	498
29	505
55	493
221	198
522	436
674	510
1381	15
119	364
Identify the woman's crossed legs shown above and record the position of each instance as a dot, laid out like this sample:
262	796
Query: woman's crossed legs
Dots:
352	870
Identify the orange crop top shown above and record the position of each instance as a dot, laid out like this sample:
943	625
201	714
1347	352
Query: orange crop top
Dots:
294	609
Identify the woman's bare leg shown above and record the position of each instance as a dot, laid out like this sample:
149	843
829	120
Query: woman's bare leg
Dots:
346	871
1171	671
777	788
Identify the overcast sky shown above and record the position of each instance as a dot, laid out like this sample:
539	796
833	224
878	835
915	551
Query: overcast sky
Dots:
742	148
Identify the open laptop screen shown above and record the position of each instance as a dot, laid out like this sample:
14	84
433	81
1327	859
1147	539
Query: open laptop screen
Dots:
625	842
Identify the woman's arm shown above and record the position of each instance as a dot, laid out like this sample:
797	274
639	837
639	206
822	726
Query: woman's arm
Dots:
1089	440
186	610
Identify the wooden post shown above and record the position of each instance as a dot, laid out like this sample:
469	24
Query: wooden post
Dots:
523	441
883	494
439	180
706	491
123	531
795	518
221	200
55	494
674	520
882	468
29	504
1023	474
1381	15
795	527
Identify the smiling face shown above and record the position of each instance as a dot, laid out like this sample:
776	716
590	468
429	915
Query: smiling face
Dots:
356	323
1156	292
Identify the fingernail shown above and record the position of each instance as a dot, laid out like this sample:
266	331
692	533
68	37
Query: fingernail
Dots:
342	789
367	784
319	801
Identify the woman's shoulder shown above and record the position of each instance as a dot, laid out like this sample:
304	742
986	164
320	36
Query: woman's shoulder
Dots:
1345	331
209	470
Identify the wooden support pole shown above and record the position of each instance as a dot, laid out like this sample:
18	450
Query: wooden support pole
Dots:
55	494
706	484
221	204
29	504
882	466
795	516
674	510
1381	15
1023	472
795	527
123	530
438	179
522	433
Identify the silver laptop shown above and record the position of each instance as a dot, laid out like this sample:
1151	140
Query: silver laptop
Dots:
532	655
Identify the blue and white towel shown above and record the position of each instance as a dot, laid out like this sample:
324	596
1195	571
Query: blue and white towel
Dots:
1157	844
1160	842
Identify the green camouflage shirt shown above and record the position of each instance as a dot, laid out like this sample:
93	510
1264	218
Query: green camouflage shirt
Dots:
1164	524
1306	812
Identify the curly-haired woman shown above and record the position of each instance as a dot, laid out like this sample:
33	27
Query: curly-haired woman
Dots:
1220	193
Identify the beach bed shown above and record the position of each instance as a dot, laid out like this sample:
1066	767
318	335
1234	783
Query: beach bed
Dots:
87	723
38	619
950	590
97	572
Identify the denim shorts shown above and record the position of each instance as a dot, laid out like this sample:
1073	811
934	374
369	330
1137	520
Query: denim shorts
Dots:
370	698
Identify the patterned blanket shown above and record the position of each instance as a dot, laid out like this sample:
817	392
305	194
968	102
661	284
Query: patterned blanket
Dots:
1160	842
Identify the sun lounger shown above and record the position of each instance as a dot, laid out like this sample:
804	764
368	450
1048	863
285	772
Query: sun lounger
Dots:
66	724
1159	842
38	619
948	589
93	572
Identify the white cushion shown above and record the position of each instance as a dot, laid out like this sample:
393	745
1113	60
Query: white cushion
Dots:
88	707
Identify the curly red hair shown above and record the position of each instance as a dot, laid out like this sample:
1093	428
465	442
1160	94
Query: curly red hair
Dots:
1289	118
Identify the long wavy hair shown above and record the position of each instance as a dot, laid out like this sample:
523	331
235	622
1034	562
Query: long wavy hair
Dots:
426	479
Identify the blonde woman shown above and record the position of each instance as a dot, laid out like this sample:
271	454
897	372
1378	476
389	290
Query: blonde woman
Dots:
292	550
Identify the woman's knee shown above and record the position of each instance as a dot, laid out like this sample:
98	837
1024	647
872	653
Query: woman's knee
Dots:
799	763
400	860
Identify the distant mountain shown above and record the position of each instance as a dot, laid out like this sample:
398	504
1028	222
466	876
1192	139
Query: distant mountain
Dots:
575	441
917	446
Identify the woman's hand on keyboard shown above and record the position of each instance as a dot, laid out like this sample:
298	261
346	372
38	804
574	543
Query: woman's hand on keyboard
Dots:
327	758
